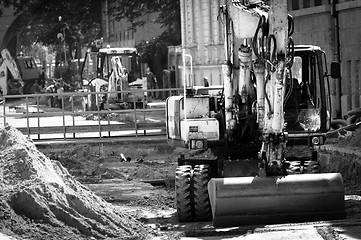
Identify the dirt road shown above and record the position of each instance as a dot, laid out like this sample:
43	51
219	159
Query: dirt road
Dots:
126	185
137	179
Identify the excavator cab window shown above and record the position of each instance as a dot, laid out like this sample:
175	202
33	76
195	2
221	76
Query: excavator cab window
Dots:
129	63
101	66
304	95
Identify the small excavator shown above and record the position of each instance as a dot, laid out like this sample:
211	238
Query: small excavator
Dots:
114	69
274	94
10	78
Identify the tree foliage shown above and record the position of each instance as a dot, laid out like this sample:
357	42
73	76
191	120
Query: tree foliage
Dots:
80	21
169	11
155	51
169	17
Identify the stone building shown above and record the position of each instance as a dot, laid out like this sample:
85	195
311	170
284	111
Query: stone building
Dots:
334	25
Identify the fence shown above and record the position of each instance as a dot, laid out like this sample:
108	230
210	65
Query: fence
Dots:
68	115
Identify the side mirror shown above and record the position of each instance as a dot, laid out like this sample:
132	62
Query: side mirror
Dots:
335	70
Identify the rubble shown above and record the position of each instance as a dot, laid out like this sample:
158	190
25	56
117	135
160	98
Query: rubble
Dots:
41	193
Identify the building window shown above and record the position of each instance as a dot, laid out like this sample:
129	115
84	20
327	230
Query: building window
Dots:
318	2
306	3
295	5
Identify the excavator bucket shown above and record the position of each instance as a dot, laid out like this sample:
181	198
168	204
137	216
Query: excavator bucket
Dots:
263	200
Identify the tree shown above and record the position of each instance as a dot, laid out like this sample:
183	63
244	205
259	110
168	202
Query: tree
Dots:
169	18
169	13
80	21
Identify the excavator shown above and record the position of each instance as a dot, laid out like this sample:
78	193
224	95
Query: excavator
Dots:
275	94
10	78
114	69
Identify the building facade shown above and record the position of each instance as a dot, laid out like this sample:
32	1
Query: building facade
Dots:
116	33
202	39
333	25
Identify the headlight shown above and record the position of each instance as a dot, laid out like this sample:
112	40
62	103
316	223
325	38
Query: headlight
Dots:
315	141
198	144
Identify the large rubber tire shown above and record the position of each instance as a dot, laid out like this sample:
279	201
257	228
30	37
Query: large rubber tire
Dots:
308	167
183	177
311	167
294	168
202	208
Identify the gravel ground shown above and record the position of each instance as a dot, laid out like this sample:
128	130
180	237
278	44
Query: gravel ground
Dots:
121	173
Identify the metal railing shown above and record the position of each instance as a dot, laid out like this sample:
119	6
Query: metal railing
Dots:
84	114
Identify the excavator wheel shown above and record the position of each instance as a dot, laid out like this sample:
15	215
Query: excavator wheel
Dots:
311	167
294	168
192	198
202	208
183	177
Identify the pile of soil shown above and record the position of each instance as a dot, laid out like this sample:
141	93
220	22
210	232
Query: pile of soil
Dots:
41	200
345	162
352	139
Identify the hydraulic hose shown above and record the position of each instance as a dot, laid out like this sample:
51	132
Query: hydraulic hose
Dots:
349	126
272	55
291	25
289	92
254	41
266	96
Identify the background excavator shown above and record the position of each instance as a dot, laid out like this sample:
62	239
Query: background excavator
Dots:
274	94
114	69
10	78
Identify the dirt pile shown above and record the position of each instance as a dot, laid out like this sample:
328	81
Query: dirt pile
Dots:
352	139
40	193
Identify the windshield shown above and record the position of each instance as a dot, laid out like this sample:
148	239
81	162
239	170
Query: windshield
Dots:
302	99
102	65
126	63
